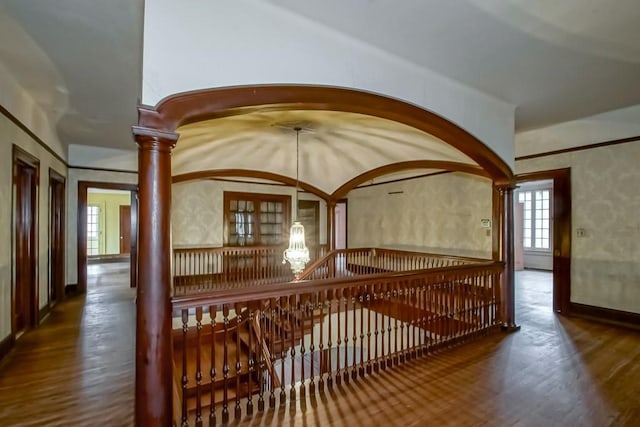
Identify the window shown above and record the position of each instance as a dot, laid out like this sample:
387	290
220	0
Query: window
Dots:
92	229
256	219
536	232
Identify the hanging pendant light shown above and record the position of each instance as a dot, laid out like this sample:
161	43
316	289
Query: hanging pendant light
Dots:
297	254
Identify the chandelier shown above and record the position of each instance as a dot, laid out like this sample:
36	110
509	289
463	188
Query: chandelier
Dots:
297	254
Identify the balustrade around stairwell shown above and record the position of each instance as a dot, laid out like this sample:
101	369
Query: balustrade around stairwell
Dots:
202	269
275	342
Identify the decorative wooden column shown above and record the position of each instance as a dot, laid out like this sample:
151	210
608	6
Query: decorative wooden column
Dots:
507	256
331	225
154	404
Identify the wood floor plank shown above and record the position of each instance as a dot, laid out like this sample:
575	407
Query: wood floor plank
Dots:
77	369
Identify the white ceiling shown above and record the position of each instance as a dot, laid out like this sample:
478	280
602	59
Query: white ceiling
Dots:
555	61
334	147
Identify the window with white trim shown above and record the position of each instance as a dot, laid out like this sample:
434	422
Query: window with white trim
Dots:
536	229
93	213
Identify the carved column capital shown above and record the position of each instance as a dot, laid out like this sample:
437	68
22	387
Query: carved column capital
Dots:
154	139
506	187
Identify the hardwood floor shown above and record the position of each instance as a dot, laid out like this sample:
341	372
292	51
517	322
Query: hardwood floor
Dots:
77	369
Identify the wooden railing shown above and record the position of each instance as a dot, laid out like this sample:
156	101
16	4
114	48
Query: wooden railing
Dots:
359	261
205	269
280	341
197	270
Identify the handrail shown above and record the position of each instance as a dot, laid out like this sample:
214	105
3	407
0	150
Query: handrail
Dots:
345	262
264	348
227	296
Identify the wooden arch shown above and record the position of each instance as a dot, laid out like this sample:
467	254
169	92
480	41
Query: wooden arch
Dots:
189	107
213	173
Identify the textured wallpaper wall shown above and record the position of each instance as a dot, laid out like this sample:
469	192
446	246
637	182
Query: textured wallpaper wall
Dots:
605	191
439	213
11	134
197	210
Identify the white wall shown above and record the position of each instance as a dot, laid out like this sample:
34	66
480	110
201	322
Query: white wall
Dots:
215	44
197	211
440	214
11	134
605	267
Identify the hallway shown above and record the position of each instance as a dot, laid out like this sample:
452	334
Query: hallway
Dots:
77	369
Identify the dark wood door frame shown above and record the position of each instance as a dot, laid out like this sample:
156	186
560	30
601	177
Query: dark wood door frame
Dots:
83	189
561	233
57	220
25	238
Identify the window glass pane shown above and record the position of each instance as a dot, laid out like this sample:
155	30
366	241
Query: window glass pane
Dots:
256	219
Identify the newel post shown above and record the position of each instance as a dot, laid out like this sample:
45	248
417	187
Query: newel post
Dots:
507	228
153	404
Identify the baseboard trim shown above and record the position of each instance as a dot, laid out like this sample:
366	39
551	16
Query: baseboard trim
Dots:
44	311
608	315
71	289
6	345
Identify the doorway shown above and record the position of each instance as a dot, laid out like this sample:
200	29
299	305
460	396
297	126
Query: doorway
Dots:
25	297
341	224
107	229
546	245
56	236
309	216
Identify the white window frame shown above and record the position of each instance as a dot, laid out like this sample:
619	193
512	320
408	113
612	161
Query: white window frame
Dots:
539	217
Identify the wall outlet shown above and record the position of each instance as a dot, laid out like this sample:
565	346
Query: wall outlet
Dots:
581	232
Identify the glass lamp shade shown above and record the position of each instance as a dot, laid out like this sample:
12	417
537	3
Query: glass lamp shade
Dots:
297	254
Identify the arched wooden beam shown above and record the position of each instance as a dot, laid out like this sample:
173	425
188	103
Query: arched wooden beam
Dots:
188	107
213	173
342	191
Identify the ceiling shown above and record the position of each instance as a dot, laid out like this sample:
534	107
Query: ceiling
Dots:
326	143
555	61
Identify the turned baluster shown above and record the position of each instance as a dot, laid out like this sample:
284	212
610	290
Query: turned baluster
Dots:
225	364
212	372
370	291
261	363
346	335
338	375
329	344
402	293
250	363
293	316
354	368
312	347
376	358
389	317
361	299
421	319
283	347
415	318
322	359
238	411
272	352
184	378
198	367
